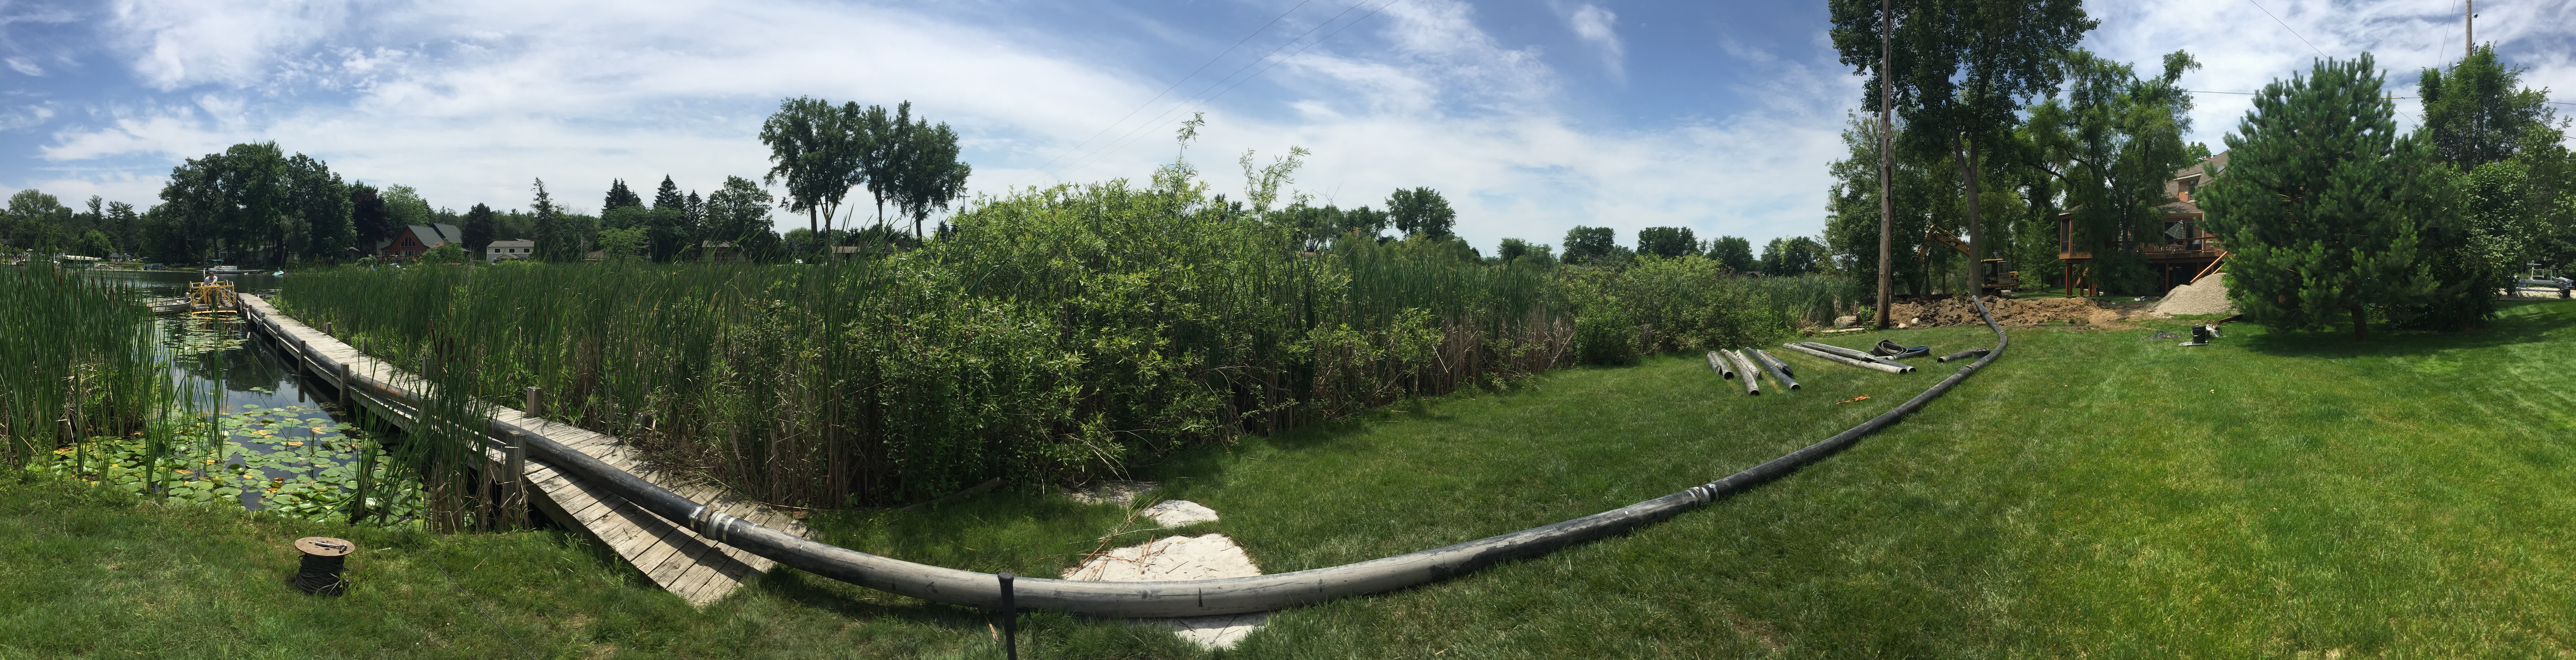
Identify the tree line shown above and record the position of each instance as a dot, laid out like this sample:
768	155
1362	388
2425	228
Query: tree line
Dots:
2001	129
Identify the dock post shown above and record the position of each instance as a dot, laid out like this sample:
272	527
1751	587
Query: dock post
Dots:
345	384
534	410
515	466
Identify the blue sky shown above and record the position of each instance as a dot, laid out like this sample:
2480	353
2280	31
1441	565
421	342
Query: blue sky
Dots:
1532	116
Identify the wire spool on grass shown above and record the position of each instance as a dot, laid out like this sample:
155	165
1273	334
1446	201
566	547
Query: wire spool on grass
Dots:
323	557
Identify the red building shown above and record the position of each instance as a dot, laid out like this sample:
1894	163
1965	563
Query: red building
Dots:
416	239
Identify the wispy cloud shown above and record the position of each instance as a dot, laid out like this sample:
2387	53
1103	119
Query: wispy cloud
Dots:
1598	27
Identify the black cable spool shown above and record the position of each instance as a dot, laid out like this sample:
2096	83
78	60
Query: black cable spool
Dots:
323	558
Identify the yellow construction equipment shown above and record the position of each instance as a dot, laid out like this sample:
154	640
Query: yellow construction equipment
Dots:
213	298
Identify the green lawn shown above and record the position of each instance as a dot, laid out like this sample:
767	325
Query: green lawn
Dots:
2094	493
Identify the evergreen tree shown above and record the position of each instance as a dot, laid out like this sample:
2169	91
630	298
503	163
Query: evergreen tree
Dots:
668	196
2323	204
1666	241
371	219
1420	211
619	196
482	226
559	237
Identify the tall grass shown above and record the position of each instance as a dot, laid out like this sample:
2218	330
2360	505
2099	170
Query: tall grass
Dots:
79	362
1055	335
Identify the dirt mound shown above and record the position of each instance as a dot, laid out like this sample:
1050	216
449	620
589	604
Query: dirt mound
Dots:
2209	296
1958	311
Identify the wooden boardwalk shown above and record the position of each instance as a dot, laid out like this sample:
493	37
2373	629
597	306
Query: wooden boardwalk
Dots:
699	570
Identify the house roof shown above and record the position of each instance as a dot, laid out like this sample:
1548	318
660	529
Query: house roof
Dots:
512	244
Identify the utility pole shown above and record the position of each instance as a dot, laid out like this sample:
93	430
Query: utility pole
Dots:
1886	167
2469	47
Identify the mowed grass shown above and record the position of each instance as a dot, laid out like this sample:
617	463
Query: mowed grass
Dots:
2094	493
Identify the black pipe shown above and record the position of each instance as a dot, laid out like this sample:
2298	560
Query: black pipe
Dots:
1194	597
1010	619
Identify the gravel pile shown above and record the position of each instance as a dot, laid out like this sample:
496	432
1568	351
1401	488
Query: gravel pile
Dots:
2209	296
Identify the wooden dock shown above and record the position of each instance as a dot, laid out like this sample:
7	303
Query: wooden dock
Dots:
699	570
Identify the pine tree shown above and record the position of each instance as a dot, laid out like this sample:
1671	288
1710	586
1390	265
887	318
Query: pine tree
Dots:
2323	205
668	196
558	237
619	196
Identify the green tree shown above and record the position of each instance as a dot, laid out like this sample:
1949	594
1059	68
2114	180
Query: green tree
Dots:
1852	212
1513	249
253	198
929	175
2477	112
407	207
370	218
2111	141
559	237
1592	246
1961	71
1791	256
446	253
1420	211
619	196
482	226
818	151
2323	203
37	221
1733	252
738	212
1666	241
318	222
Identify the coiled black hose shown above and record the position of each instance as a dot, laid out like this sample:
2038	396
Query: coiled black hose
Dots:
1191	597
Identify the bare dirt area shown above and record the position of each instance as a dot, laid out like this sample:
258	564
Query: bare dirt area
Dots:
1958	311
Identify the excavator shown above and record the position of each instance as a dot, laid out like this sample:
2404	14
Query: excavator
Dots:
1996	276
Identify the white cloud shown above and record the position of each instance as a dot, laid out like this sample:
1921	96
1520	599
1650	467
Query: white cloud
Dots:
2242	49
1596	26
25	66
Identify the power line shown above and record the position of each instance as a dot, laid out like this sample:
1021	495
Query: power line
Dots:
1133	134
2286	26
1176	84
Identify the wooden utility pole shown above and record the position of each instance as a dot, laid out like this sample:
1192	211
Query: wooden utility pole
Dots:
1886	167
2469	21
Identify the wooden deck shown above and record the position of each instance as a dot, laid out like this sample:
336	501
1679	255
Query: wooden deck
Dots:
699	570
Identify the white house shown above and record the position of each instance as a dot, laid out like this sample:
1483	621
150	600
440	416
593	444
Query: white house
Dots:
500	250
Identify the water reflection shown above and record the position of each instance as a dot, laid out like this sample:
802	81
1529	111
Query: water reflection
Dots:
272	444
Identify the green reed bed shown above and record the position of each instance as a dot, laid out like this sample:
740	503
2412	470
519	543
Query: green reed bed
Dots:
79	361
1054	336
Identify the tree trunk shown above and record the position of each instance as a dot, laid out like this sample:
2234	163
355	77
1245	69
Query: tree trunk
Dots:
2360	324
813	225
1976	232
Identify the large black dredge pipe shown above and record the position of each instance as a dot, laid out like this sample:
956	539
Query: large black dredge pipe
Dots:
1189	597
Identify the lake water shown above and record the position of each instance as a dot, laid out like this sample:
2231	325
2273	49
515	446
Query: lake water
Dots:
284	446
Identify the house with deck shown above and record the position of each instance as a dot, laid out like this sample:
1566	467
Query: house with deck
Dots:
2182	253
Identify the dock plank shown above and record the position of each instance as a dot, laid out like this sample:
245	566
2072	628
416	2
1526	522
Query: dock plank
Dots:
698	570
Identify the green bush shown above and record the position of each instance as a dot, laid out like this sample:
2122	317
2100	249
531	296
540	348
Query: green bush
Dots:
1605	337
1055	335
